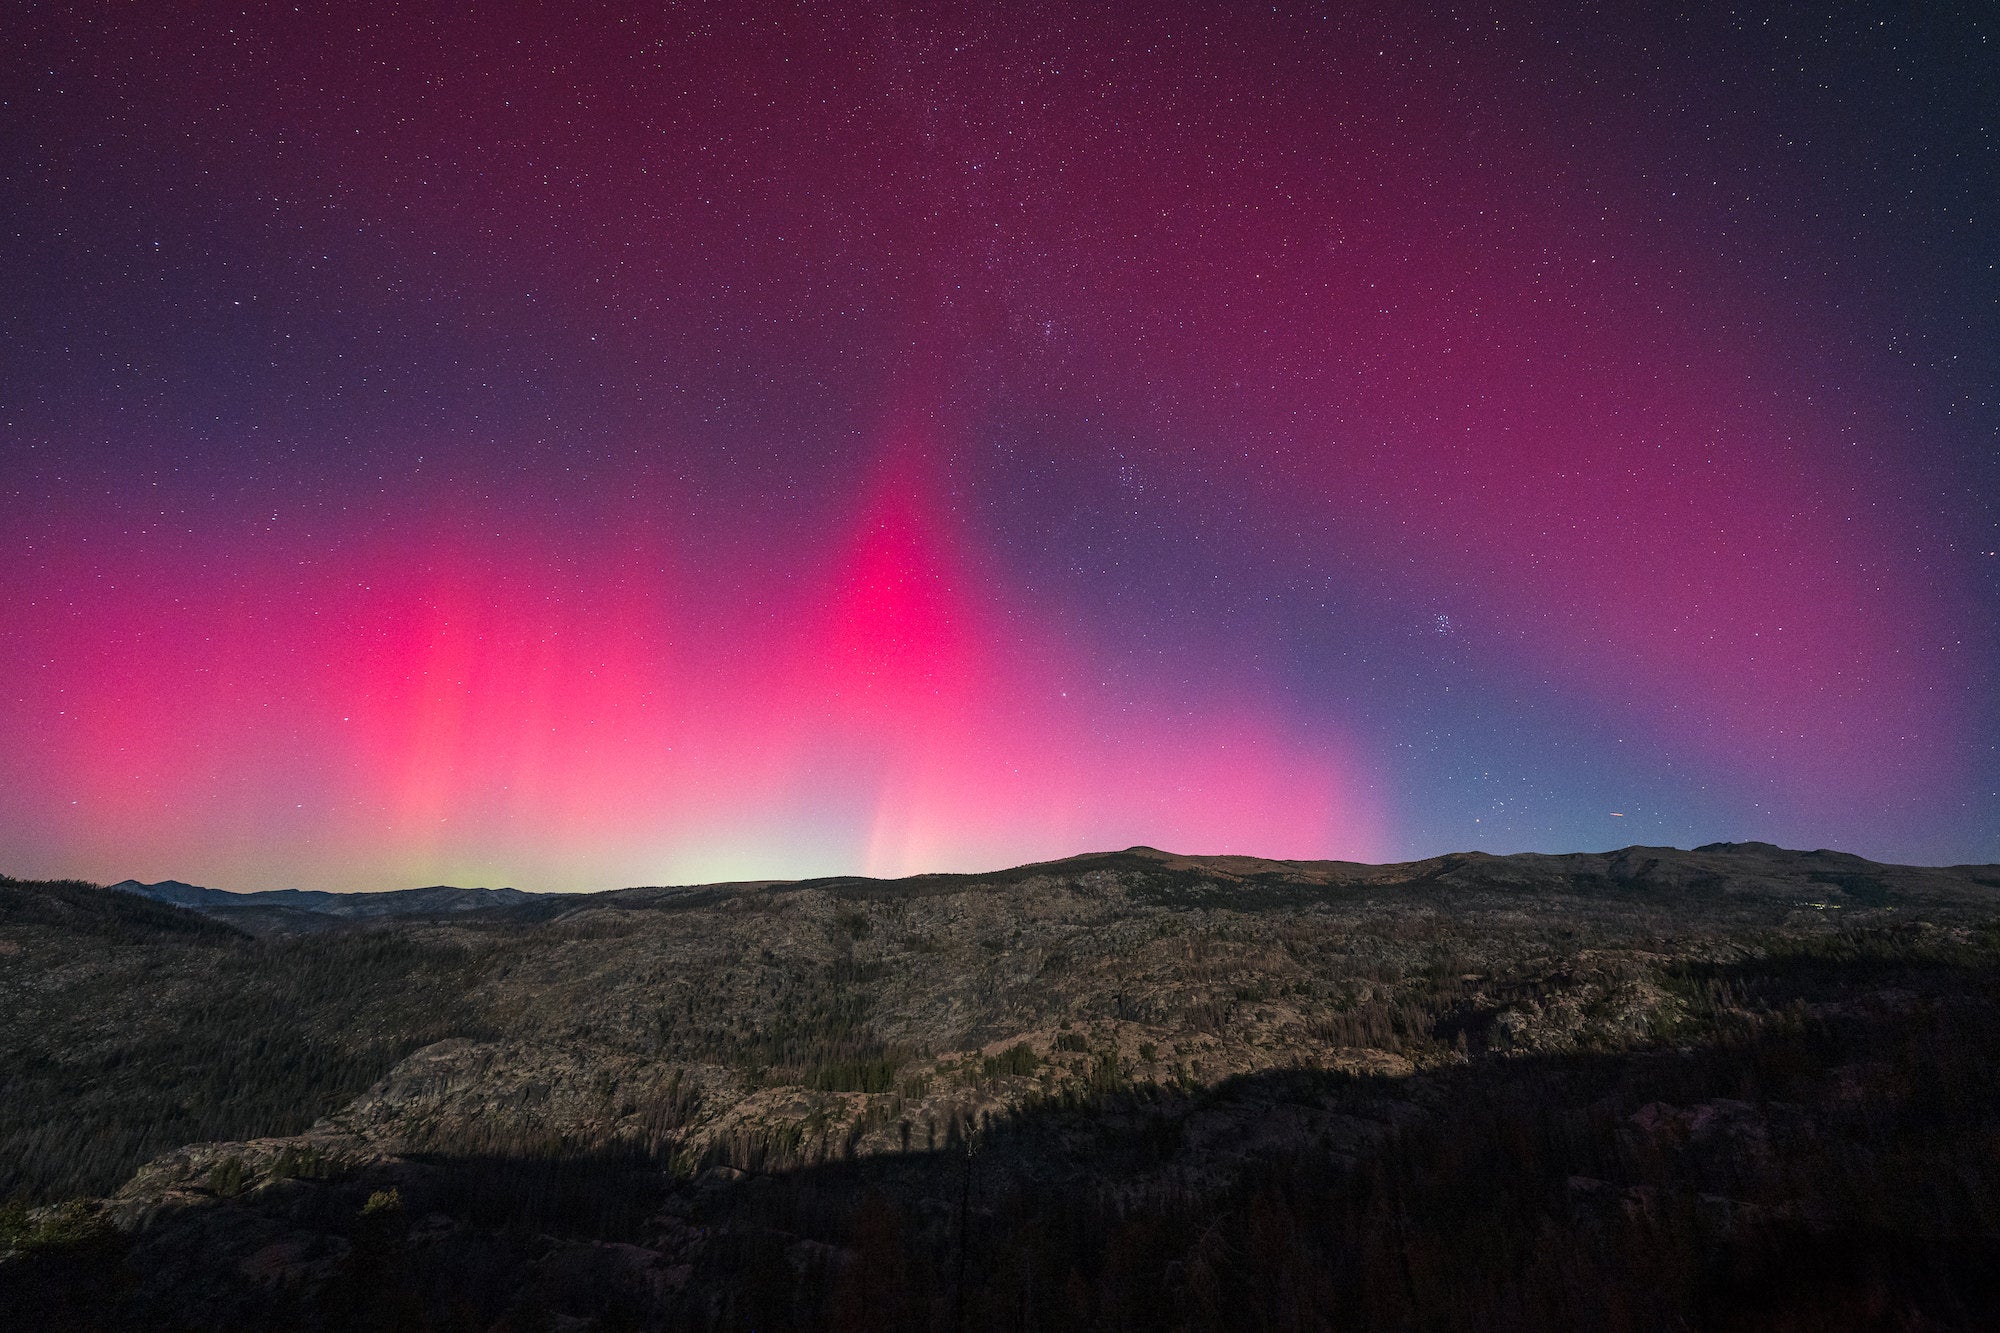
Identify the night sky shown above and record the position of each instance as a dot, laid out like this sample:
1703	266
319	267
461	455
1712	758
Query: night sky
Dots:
581	446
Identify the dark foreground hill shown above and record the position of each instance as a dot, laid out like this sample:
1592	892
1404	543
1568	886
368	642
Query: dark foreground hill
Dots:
1737	1087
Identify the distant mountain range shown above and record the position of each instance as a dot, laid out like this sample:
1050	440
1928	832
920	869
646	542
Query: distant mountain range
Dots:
1732	868
435	900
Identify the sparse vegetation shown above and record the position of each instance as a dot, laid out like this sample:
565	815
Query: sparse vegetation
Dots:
229	1177
128	1028
1017	1061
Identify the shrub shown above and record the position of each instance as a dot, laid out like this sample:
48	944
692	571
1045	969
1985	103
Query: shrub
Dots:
308	1163
383	1202
1018	1060
858	1074
229	1177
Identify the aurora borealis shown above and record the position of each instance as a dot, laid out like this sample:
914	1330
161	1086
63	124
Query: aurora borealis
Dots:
605	446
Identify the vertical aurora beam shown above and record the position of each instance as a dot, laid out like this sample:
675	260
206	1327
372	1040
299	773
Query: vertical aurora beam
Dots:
572	712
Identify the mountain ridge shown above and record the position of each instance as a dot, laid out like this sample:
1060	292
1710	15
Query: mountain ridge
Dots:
433	899
1763	864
